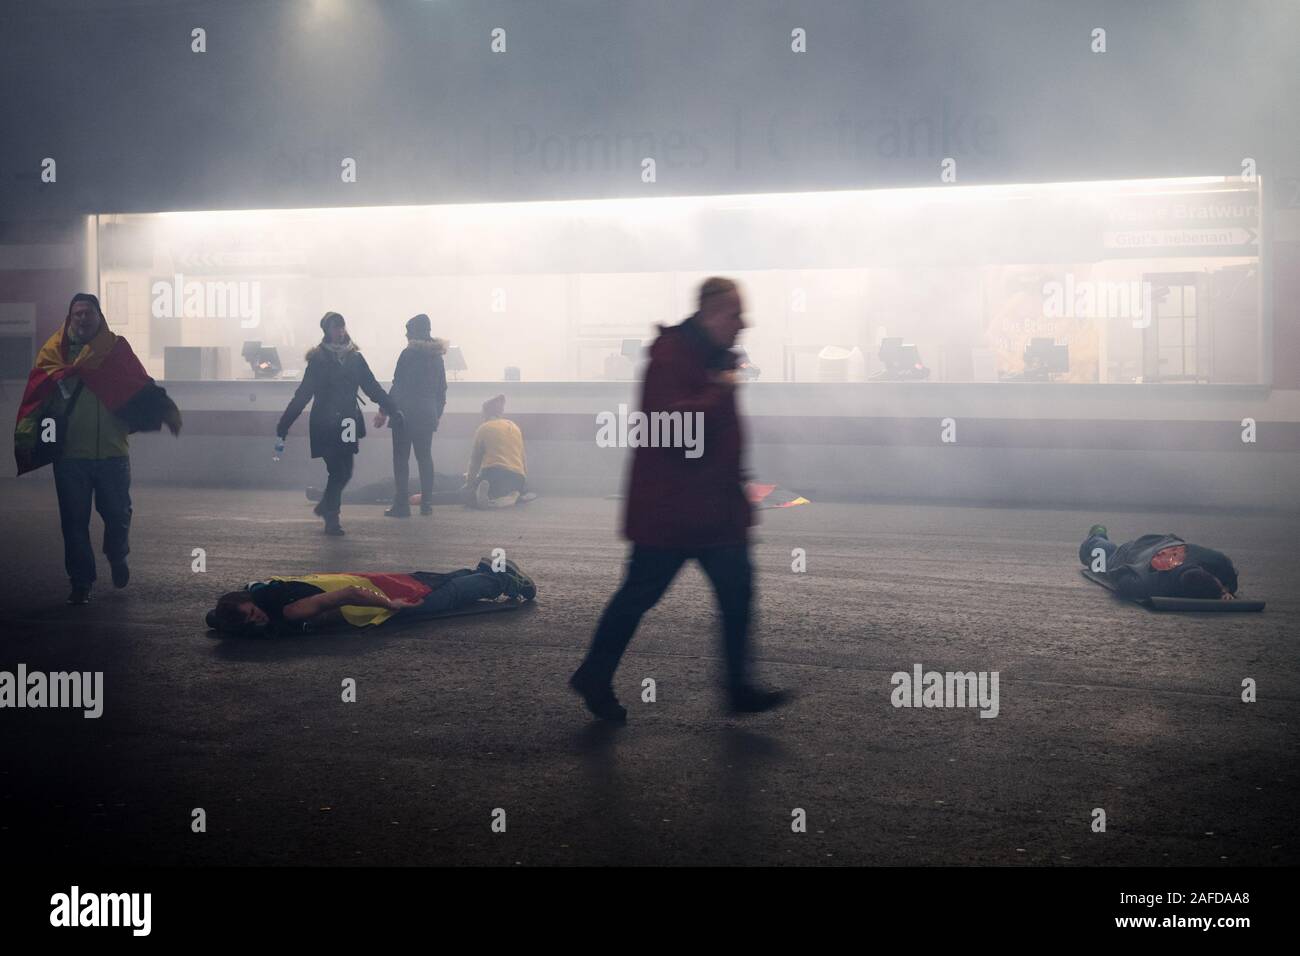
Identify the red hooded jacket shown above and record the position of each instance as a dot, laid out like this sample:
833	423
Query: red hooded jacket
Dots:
675	501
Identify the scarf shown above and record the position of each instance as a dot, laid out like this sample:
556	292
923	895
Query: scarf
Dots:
338	350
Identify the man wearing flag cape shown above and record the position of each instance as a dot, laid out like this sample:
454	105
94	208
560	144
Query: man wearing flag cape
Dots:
85	395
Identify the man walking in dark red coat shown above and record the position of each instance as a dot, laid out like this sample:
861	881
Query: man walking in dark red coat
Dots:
685	503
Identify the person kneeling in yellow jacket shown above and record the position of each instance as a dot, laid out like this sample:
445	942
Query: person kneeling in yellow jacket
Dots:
498	468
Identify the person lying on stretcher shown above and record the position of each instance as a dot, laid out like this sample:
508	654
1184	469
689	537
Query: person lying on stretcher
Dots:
310	602
1159	565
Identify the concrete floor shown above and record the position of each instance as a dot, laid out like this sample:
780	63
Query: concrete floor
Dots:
1102	704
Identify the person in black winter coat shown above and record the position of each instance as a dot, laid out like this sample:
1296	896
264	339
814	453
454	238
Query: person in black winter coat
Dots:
335	370
420	388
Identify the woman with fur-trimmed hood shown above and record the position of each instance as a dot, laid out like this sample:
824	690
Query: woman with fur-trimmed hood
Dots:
420	387
335	370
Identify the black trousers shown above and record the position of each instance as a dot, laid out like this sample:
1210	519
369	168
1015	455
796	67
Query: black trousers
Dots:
649	572
339	467
408	437
106	482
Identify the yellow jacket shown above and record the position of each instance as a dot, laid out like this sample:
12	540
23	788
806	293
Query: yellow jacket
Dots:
498	442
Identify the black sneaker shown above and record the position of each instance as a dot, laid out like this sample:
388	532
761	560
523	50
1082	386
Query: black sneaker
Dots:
599	698
332	525
121	574
755	700
396	512
518	584
426	509
79	595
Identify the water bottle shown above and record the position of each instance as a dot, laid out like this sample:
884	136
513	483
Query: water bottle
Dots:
279	448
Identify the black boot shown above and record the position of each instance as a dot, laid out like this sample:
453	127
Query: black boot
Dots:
514	582
747	699
599	697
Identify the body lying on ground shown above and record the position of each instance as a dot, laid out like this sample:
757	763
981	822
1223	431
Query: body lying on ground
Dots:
1159	565
299	604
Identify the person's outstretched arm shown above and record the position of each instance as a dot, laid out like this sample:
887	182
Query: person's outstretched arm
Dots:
370	385
475	458
1130	584
305	392
667	378
1224	572
318	604
400	371
439	387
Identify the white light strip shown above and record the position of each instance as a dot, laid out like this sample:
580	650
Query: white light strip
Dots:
737	201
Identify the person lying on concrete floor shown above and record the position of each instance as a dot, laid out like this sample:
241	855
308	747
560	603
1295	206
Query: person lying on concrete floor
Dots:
498	473
311	602
1159	565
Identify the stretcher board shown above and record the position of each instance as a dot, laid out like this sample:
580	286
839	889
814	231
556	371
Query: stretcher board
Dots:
396	623
1179	604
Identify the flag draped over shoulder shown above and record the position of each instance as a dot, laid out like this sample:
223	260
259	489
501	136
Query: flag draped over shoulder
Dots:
404	586
109	369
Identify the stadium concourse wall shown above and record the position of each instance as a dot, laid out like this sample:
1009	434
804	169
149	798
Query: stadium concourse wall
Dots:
1051	445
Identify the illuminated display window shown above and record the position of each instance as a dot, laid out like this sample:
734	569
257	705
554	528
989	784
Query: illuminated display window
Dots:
1110	282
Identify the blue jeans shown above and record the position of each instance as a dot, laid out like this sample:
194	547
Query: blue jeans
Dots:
457	589
107	483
